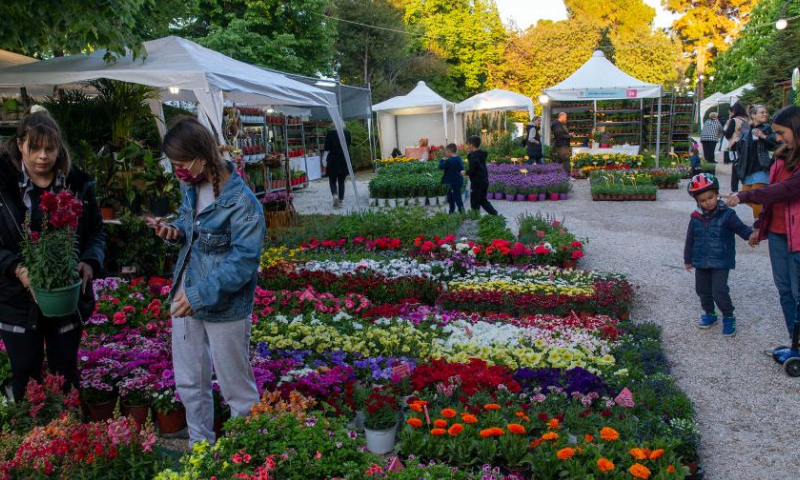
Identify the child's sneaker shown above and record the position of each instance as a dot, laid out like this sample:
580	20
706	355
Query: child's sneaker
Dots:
707	320
729	326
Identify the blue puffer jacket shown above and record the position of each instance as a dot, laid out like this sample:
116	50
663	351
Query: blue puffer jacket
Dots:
710	241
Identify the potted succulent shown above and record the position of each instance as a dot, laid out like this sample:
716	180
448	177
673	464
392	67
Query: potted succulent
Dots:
380	421
51	255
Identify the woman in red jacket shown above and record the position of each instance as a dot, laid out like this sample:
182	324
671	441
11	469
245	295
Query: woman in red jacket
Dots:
779	223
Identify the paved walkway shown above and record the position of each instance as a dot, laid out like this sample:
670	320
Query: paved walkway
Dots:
747	407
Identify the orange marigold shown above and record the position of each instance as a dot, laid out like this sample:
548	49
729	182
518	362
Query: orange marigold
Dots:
448	413
439	423
486	433
491	406
469	418
414	422
605	465
535	443
639	471
550	436
671	468
588	438
524	417
497	431
565	453
609	434
437	432
416	407
516	428
455	429
638	453
553	424
656	454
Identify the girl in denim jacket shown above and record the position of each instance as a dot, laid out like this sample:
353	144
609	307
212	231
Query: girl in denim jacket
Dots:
221	228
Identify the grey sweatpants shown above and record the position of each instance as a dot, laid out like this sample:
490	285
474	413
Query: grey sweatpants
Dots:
195	343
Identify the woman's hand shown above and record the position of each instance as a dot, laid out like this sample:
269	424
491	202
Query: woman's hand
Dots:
758	133
732	200
22	274
180	306
166	232
753	239
87	275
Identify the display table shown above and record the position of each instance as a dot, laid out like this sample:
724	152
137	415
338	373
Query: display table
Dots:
623	149
314	164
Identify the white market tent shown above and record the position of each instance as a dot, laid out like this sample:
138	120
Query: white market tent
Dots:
496	100
599	79
183	71
712	101
734	95
404	119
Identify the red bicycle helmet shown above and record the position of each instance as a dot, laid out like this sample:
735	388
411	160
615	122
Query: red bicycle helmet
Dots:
702	182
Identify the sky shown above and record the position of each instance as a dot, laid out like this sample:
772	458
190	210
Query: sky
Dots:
527	12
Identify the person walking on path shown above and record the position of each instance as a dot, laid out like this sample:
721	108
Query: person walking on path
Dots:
34	161
221	229
478	176
533	142
337	164
452	176
779	223
561	142
753	150
733	133
711	250
709	136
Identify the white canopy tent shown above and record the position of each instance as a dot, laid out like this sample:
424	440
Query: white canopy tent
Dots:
599	79
710	102
497	100
183	71
404	119
734	95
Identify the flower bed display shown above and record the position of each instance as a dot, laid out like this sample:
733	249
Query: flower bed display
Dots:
622	186
528	182
408	184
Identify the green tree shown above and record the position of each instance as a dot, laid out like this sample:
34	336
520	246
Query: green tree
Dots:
294	36
56	27
468	34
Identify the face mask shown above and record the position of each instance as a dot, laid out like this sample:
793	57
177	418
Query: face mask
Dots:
185	175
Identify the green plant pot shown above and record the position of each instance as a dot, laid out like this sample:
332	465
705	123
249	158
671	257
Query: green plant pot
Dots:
58	302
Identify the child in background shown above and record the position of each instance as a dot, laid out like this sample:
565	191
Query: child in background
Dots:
711	249
478	176
695	160
453	165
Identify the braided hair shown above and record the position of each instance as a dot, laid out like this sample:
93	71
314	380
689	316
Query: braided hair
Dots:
188	140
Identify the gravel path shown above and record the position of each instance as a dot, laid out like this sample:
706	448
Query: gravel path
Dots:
747	407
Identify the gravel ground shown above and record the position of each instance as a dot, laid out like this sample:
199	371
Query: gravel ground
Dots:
742	398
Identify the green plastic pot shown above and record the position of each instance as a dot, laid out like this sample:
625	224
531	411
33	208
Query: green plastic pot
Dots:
58	302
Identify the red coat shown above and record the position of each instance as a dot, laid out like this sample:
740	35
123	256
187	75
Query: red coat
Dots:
788	192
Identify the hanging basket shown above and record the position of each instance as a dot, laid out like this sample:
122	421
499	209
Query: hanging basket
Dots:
58	302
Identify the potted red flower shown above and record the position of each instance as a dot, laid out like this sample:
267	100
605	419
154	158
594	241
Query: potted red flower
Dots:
380	422
51	255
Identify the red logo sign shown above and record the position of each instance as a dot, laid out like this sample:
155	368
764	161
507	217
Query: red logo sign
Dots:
632	93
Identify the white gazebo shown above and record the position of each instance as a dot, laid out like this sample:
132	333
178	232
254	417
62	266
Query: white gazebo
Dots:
711	102
599	79
497	100
404	119
182	71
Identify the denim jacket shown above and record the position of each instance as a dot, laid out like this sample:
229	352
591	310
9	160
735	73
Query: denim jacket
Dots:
223	245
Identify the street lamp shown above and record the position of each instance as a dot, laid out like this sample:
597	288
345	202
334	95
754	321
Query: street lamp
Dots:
544	99
782	23
711	78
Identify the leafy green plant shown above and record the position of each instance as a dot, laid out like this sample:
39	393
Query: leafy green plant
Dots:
491	227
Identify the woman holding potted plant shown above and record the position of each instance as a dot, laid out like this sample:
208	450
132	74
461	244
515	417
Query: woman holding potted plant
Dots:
35	165
221	229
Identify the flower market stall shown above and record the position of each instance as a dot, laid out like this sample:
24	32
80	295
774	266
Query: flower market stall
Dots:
620	94
403	120
477	112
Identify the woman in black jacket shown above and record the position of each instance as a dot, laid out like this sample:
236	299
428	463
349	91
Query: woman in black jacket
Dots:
33	161
533	141
337	170
754	153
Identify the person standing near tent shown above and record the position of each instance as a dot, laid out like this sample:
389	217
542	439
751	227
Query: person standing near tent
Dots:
710	135
478	176
561	138
733	133
337	164
221	229
533	141
753	151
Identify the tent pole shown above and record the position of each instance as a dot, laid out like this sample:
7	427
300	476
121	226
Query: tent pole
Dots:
594	129
658	128
444	115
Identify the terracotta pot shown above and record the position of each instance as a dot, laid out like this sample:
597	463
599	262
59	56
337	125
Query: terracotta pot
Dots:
102	411
108	213
171	422
569	264
625	316
137	412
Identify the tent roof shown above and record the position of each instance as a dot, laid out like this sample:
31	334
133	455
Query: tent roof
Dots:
419	100
9	59
496	100
599	79
173	62
734	95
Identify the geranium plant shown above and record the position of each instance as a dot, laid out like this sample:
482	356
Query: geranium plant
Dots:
50	255
381	411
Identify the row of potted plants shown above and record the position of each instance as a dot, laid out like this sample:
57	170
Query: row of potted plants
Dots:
622	185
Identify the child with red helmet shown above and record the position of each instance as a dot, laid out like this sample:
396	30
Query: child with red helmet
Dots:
711	250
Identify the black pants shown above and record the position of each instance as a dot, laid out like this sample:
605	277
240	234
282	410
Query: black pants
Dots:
337	184
477	199
535	159
712	287
27	352
454	198
734	174
708	150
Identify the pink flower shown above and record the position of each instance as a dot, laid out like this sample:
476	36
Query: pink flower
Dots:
120	318
318	455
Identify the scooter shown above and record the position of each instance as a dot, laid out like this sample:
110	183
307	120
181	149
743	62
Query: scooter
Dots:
789	357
